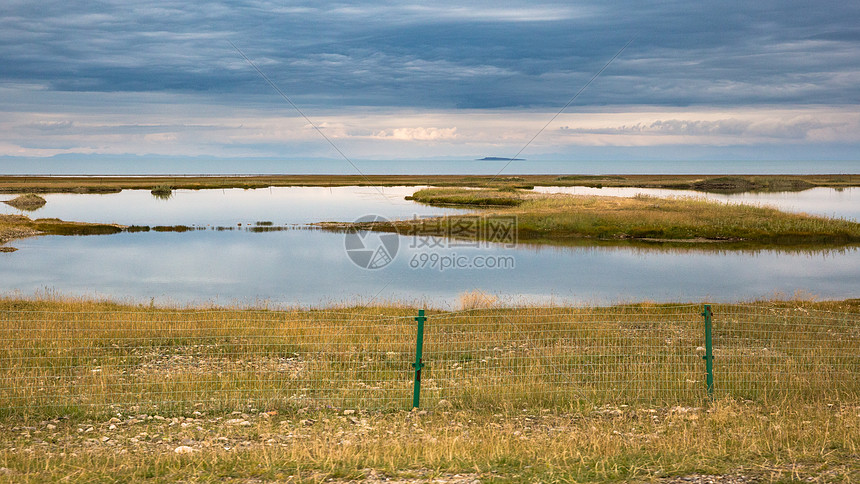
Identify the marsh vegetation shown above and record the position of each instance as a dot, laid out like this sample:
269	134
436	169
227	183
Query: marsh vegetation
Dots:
19	226
558	218
162	192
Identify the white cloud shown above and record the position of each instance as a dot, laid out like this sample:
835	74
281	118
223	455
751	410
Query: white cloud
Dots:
496	14
50	125
161	137
179	125
706	127
418	134
412	13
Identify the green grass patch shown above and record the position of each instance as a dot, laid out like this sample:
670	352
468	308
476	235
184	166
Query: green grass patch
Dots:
506	196
737	184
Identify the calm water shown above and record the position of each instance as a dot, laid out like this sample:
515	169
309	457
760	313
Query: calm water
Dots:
311	267
279	205
302	205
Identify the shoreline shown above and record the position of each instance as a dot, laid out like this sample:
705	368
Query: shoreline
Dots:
710	183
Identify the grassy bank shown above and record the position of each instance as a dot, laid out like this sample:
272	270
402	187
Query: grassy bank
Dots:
18	227
723	184
560	219
109	392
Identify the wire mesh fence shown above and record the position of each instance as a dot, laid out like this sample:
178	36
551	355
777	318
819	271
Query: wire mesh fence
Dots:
786	352
77	358
553	356
160	360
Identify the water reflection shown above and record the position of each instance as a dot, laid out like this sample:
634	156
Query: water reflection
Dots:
280	205
309	267
645	248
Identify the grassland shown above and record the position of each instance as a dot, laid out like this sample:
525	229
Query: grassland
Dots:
565	219
718	183
107	392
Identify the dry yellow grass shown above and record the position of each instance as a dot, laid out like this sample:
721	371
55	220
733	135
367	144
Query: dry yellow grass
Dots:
87	358
723	441
477	300
109	392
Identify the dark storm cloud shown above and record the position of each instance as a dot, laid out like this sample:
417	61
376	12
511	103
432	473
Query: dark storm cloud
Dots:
446	56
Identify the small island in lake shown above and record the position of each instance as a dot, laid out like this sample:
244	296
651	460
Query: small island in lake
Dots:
496	158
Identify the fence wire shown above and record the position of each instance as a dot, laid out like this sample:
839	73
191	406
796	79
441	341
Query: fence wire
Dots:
551	357
72	359
156	360
775	352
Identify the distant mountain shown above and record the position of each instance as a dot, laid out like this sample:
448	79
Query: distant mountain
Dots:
496	158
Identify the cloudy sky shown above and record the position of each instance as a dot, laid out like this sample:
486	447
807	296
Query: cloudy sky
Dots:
398	79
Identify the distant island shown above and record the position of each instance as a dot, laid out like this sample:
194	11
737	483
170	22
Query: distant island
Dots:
496	158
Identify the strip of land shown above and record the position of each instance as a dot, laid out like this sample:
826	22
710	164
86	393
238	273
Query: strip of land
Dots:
19	226
712	183
564	219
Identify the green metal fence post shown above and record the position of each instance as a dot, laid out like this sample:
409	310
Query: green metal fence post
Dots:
419	347
709	350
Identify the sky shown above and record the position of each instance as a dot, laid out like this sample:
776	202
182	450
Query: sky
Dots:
763	80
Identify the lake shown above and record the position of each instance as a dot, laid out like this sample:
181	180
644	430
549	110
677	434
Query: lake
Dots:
308	267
